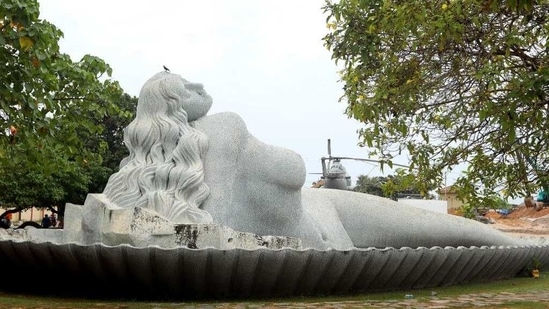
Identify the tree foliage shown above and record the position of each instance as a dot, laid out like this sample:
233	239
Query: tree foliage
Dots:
53	112
22	185
44	94
450	82
110	143
112	137
392	186
403	183
370	185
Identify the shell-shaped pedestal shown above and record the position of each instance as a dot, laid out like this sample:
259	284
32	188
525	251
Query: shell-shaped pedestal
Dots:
183	273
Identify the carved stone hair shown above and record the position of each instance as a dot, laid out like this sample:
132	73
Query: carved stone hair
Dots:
164	171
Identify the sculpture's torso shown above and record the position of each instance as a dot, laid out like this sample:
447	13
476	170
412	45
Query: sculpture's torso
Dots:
253	186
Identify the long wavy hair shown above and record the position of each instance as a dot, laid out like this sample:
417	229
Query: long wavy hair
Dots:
164	170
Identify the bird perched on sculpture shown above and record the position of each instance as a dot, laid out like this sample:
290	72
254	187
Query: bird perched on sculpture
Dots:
166	69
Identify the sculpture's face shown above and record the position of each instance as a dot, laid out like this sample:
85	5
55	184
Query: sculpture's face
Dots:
196	102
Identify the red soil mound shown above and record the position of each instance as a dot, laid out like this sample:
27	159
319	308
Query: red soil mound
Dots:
523	212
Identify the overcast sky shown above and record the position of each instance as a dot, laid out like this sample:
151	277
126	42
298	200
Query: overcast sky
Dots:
264	60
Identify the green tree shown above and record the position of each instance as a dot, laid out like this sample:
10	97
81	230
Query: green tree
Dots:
404	183
110	143
49	107
22	185
370	185
43	93
112	137
450	82
391	186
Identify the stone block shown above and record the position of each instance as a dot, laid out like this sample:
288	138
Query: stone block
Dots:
199	236
102	222
72	223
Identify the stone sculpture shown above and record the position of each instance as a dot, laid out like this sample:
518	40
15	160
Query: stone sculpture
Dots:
190	168
201	208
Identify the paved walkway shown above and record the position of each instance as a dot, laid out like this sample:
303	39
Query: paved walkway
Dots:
485	300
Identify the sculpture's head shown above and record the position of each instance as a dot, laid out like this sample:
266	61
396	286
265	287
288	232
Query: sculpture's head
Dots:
192	96
165	169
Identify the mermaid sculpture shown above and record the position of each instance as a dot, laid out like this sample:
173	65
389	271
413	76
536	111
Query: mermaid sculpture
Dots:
197	181
192	168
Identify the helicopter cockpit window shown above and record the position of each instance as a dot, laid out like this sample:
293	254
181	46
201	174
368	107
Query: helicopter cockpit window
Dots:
337	167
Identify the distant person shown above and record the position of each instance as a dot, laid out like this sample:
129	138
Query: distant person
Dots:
53	220
543	196
46	221
6	221
61	222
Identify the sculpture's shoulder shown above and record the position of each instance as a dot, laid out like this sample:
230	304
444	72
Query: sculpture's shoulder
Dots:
228	116
225	124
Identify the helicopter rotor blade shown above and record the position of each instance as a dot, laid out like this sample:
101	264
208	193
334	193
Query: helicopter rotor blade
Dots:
369	160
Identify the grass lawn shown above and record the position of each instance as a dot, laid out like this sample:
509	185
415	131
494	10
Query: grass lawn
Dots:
512	287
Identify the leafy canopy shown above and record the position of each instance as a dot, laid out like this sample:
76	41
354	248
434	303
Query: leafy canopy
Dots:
370	185
52	113
44	94
447	83
393	186
22	185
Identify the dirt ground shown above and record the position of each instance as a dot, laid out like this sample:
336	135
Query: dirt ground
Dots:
521	220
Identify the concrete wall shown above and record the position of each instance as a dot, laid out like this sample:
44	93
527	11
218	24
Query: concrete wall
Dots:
451	198
433	205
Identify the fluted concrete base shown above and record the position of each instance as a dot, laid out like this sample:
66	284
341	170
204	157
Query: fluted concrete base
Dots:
183	273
